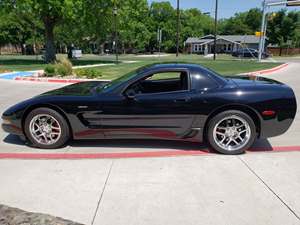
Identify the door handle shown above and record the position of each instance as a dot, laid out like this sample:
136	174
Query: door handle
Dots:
182	100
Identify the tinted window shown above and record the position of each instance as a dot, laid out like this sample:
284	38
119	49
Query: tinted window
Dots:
201	80
160	82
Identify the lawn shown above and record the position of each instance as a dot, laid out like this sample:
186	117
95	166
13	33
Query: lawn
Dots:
225	65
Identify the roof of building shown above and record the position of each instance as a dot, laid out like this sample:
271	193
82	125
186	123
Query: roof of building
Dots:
249	39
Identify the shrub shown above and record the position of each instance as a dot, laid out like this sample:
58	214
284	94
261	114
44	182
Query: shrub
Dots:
88	73
61	70
50	70
64	67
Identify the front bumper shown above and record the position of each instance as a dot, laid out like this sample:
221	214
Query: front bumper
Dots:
12	129
11	126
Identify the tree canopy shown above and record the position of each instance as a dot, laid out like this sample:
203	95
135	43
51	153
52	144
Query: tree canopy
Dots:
90	25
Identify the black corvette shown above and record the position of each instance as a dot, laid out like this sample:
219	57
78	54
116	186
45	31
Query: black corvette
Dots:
160	101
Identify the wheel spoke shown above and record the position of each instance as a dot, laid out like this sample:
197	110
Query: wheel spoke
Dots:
224	138
227	144
243	131
219	133
239	137
234	141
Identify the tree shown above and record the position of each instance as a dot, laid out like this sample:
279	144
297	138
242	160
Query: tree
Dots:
18	30
196	24
97	21
253	19
133	20
282	27
236	25
242	23
163	16
49	12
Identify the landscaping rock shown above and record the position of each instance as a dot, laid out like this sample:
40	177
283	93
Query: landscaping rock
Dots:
14	216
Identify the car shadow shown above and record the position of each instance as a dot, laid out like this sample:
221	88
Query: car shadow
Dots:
141	144
261	145
13	139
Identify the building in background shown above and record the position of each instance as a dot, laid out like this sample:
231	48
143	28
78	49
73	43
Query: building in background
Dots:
225	43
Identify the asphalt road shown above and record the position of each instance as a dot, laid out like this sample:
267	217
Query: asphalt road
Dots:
254	188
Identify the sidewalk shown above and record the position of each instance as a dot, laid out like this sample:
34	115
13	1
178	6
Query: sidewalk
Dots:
237	190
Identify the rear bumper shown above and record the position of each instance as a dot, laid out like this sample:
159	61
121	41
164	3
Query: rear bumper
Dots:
285	114
274	127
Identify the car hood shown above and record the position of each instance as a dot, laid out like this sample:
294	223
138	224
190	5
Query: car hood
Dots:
78	89
245	80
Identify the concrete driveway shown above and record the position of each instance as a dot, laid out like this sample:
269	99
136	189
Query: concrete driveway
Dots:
254	188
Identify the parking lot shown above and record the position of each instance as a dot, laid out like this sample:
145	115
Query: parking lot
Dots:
259	187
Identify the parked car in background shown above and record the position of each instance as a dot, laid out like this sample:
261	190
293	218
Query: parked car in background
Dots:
248	53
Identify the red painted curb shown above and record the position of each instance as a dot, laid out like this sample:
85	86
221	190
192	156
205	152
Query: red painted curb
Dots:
272	70
98	155
132	154
51	80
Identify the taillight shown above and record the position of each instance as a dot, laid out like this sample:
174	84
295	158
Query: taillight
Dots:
268	113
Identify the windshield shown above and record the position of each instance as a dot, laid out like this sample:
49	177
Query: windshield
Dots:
117	81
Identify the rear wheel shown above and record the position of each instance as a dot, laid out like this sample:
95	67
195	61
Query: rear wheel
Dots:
46	128
231	132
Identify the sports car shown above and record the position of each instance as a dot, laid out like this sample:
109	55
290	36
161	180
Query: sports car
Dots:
160	101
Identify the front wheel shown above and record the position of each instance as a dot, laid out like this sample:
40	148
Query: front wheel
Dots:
46	128
231	132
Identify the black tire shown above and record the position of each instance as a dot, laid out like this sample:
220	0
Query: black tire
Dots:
64	128
220	117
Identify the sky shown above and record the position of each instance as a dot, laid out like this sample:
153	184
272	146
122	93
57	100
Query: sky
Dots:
227	8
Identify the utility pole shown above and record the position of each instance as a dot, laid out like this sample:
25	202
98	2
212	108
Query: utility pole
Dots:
177	35
262	30
216	29
159	39
115	12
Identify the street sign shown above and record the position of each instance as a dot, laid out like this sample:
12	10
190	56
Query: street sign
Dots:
292	3
259	33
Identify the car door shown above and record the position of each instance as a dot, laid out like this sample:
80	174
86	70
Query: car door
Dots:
149	115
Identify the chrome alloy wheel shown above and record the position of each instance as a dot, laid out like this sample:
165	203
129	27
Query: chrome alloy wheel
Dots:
232	133
45	129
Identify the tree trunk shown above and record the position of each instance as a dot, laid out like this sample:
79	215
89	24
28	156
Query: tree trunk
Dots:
49	41
280	51
101	46
23	49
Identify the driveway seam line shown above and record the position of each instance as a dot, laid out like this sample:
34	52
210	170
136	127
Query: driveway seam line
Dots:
102	192
270	189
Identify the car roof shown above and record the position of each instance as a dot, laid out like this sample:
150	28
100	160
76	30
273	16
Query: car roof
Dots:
169	65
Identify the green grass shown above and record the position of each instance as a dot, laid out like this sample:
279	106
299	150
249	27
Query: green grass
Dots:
25	63
225	65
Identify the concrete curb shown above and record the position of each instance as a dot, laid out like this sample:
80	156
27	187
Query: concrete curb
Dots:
267	71
149	154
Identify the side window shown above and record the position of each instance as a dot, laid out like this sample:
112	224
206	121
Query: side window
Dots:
201	80
165	76
167	81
